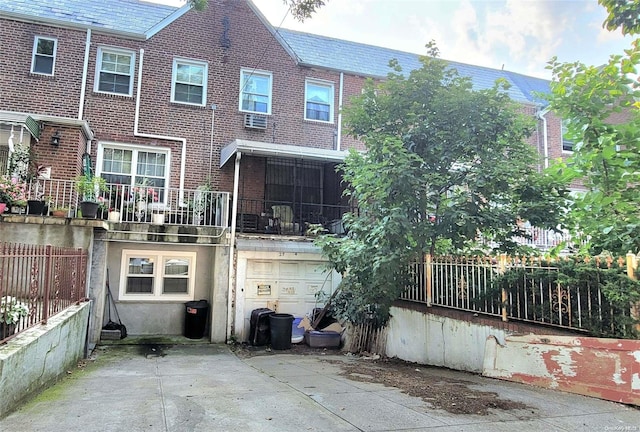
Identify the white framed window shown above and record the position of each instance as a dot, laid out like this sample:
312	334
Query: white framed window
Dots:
567	144
114	71
255	91
318	97
189	82
44	55
157	275
124	166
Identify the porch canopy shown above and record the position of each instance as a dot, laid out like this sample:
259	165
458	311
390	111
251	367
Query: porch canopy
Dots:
257	148
21	119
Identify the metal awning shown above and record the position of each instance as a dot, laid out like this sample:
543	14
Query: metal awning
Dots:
257	148
21	119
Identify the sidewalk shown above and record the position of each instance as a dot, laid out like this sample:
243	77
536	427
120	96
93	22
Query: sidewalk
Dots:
208	388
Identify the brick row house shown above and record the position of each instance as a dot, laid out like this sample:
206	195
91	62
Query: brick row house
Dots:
216	103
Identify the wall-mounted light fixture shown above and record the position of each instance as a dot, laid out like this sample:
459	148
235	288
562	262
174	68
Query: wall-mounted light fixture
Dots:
55	138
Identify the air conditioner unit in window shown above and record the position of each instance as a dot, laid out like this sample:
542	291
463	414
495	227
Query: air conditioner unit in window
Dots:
255	121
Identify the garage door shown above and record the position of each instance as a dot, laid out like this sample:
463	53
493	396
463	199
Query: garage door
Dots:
292	285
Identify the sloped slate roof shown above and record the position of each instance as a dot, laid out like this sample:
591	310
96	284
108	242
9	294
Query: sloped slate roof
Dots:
369	60
129	16
138	17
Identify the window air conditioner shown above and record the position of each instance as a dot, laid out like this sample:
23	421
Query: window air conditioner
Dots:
255	121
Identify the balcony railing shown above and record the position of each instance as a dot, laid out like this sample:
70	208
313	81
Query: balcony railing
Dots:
119	203
288	218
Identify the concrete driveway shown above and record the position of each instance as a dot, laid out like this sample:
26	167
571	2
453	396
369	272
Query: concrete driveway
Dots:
208	388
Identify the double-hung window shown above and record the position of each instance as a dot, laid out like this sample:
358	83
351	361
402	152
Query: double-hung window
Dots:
567	144
114	71
189	82
124	166
157	275
44	55
318	101
255	91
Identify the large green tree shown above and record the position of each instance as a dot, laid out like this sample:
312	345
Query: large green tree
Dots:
599	105
445	165
623	14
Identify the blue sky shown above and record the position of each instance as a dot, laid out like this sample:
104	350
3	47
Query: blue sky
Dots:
521	35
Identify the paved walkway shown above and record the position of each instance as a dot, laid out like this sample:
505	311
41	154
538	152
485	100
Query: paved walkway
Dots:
208	388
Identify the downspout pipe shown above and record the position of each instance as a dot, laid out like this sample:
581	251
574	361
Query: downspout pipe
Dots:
545	138
183	141
85	69
340	94
232	243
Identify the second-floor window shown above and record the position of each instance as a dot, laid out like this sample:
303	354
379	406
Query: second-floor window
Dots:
567	144
114	71
189	82
44	55
255	91
318	101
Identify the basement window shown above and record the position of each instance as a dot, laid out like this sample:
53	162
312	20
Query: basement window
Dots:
159	276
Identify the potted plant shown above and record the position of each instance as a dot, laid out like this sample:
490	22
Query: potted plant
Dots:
11	311
60	212
12	192
89	188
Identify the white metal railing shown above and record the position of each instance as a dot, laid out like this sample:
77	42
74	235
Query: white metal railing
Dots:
126	203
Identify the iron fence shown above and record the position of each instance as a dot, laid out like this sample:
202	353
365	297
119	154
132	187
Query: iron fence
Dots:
531	289
37	282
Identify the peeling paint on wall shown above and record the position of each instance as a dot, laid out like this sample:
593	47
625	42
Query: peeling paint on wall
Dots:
604	368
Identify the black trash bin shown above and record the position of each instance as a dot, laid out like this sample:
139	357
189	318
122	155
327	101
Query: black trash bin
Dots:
195	319
280	325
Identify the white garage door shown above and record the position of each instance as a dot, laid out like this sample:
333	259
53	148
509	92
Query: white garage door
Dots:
292	285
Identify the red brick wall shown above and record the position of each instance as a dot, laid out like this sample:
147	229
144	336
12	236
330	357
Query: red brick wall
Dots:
196	35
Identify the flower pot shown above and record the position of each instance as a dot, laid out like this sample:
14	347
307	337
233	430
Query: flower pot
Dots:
89	209
7	330
35	207
114	216
157	219
3	207
60	213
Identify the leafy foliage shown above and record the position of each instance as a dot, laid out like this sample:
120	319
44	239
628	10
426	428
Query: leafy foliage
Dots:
623	14
570	295
445	164
603	121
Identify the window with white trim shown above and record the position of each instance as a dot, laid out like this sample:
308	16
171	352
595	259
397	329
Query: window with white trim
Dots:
318	101
189	82
155	275
255	91
44	55
127	165
114	71
567	144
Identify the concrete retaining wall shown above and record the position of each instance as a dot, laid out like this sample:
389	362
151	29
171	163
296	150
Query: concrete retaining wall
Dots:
36	358
438	340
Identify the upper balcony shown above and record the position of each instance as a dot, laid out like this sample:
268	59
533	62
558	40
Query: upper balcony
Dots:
123	209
